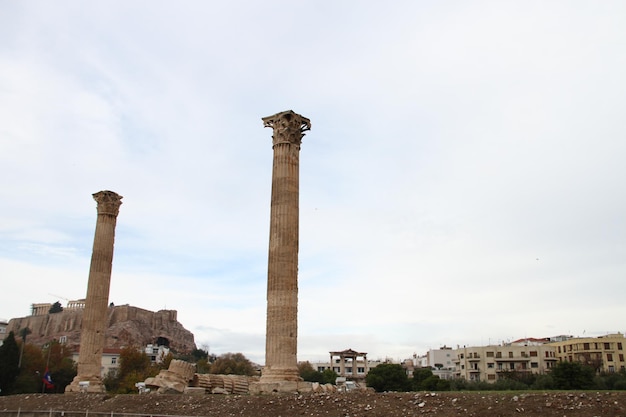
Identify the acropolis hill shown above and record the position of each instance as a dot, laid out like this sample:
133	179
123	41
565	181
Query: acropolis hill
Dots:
126	326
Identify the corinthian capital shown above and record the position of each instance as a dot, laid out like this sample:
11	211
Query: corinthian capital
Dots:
108	202
289	127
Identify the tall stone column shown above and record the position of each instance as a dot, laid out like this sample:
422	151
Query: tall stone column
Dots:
95	314
281	342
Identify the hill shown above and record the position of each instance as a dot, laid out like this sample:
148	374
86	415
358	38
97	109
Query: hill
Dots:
127	326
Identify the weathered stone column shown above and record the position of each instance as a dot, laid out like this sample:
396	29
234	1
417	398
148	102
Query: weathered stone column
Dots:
281	342
95	315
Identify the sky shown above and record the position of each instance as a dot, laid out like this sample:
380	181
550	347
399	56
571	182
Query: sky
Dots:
462	183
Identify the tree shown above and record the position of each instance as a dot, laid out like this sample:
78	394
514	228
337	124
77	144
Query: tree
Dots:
29	379
56	308
9	368
309	374
132	359
62	367
572	375
23	333
198	354
135	367
232	363
330	376
419	376
388	377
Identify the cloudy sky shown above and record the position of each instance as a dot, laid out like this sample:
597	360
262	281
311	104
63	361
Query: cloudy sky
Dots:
462	183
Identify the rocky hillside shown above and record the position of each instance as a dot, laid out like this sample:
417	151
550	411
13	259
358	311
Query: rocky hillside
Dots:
127	326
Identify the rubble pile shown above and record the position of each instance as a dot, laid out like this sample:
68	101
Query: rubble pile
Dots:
354	404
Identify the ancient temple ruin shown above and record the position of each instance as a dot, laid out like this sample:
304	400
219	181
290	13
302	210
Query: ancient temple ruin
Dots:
95	314
282	274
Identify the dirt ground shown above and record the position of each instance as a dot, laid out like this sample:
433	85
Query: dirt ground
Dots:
353	404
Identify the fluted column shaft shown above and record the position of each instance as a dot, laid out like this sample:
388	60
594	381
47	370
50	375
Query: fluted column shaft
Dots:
282	283
95	315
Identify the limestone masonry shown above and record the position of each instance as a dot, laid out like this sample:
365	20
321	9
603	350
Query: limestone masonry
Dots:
96	303
282	273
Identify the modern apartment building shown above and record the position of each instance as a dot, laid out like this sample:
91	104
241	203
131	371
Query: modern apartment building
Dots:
604	353
490	363
440	361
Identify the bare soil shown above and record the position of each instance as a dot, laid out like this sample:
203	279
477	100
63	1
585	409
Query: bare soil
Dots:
353	404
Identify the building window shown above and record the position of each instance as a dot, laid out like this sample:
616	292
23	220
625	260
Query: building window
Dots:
63	339
113	360
498	354
607	346
461	356
510	354
499	366
360	370
490	365
321	369
348	369
512	366
621	357
619	345
534	365
533	353
491	377
336	369
585	346
609	357
611	368
489	354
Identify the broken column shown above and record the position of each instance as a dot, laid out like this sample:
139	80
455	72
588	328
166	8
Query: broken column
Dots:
95	315
282	278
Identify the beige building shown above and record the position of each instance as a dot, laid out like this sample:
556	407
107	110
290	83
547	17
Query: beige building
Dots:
490	363
604	353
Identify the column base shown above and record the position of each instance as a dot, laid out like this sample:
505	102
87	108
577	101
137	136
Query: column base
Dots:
90	384
280	387
276	374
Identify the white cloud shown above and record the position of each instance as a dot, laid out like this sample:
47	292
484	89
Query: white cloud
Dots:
464	160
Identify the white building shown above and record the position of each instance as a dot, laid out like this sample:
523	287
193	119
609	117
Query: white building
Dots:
3	330
156	353
441	361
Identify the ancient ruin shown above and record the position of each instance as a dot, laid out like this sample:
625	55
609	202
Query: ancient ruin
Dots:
97	300
126	325
282	277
